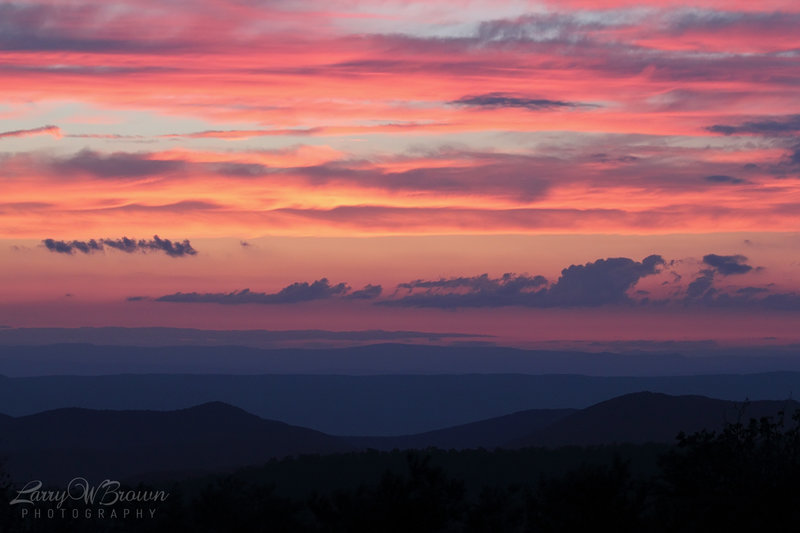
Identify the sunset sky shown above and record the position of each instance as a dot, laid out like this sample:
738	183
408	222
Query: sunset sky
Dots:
534	170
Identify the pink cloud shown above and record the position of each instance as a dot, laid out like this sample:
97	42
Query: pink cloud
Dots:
51	130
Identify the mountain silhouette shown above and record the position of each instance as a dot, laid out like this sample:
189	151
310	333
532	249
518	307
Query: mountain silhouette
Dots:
489	434
648	417
417	403
56	446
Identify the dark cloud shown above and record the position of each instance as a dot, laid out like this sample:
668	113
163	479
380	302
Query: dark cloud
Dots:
496	100
244	244
536	28
789	124
701	285
752	298
136	298
602	282
605	158
709	20
42	27
787	127
124	244
728	264
508	283
610	281
172	249
369	292
721	178
58	246
789	301
794	158
477	291
605	281
116	165
294	293
87	246
725	265
752	291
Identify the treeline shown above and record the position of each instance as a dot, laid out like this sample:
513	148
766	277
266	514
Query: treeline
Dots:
743	478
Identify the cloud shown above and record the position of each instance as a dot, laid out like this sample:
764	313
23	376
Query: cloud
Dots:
58	246
709	20
725	265
369	292
115	165
611	281
243	134
794	159
507	283
752	291
64	247
750	298
728	264
787	128
605	281
52	130
602	282
701	285
124	244
789	124
721	178
172	249
497	100
477	291
537	28
242	170
294	293
62	27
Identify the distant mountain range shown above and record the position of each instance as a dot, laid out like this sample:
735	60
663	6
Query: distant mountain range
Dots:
489	434
372	405
632	418
648	417
381	358
56	446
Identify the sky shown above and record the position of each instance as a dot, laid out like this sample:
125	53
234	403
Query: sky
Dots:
531	170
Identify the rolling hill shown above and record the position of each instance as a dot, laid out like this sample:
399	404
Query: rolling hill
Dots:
59	445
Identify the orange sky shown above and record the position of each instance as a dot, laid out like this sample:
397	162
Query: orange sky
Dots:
381	143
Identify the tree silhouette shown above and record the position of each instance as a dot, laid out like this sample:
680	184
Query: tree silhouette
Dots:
7	516
425	501
593	497
743	478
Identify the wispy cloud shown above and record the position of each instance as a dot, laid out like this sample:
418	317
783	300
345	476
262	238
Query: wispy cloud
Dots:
49	130
497	100
294	293
124	244
786	125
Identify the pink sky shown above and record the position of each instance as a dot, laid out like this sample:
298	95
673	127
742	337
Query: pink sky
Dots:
400	142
